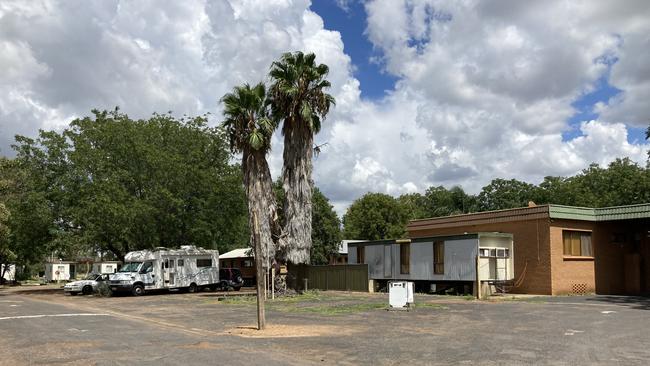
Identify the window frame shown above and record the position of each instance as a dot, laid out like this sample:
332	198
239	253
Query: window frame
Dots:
574	247
405	268
201	265
439	263
361	254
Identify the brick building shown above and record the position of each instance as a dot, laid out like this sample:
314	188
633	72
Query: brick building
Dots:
563	249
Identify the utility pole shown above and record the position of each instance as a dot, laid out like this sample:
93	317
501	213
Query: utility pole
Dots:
259	273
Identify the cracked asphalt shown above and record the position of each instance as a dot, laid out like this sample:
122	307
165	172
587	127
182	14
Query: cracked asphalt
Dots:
44	327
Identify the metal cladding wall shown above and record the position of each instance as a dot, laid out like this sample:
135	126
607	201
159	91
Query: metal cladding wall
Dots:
349	277
383	260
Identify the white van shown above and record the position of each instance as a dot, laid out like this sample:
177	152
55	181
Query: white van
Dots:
188	268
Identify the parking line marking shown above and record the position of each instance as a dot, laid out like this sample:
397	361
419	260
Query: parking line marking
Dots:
49	316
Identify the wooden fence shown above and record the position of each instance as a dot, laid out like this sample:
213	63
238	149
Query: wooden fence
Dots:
347	277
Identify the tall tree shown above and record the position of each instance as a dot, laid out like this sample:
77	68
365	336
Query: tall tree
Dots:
375	216
325	223
501	194
623	182
250	127
115	184
298	97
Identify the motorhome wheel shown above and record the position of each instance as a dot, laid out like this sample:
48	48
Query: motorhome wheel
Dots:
137	290
192	289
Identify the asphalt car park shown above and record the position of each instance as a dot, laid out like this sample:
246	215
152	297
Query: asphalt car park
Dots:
46	327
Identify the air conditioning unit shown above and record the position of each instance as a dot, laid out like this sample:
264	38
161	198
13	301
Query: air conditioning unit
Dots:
400	294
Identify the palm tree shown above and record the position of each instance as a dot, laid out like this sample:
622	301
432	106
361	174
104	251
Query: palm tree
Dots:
249	128
297	96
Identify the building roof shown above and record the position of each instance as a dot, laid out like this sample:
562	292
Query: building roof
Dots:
536	212
238	253
628	212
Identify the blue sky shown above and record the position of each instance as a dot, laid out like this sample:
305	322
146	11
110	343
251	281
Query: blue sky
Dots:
351	24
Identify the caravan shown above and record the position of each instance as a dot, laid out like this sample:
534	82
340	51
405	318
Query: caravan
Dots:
188	268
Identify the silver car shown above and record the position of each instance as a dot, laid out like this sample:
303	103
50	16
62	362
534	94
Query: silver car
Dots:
86	286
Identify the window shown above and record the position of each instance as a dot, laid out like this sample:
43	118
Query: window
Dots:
361	254
577	243
439	257
404	258
181	263
484	252
147	267
247	263
204	262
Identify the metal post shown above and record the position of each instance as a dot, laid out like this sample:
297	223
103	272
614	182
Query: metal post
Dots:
259	273
304	280
273	283
478	279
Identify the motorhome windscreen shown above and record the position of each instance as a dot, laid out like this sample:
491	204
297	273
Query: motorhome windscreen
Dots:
130	267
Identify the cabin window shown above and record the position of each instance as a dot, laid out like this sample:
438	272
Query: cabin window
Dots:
404	258
204	262
361	255
577	243
147	267
181	263
439	257
247	263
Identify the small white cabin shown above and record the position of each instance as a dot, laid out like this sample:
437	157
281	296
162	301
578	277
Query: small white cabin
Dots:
58	271
441	261
105	267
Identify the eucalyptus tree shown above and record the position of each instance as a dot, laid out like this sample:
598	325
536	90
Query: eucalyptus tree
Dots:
249	127
298	97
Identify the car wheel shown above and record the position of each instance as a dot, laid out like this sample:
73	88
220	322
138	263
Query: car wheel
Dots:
137	290
193	288
87	290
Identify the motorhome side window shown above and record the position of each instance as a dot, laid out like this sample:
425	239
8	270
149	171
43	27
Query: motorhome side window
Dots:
204	262
181	263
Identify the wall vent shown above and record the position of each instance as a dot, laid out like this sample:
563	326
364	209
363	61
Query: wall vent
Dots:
579	288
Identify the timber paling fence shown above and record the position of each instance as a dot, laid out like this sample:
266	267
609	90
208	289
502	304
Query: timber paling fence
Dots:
344	277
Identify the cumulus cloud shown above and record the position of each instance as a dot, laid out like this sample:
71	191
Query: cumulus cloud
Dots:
484	90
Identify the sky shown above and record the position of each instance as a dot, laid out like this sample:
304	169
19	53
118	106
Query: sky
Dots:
428	92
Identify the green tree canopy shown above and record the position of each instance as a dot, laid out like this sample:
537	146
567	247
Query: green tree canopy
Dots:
501	194
115	184
375	216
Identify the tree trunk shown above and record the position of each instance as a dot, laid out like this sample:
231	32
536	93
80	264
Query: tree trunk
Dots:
297	184
261	202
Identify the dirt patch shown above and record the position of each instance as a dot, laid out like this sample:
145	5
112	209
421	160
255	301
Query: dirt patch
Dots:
202	345
291	331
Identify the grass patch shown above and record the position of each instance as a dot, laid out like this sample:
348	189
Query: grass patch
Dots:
339	309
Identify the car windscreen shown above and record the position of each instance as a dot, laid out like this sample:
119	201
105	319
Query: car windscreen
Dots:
92	276
130	267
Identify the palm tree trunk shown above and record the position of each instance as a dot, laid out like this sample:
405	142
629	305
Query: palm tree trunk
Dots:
297	184
261	202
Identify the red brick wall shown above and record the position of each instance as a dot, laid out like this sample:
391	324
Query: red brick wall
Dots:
571	274
532	258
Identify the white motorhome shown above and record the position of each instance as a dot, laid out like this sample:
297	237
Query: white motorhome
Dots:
188	268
